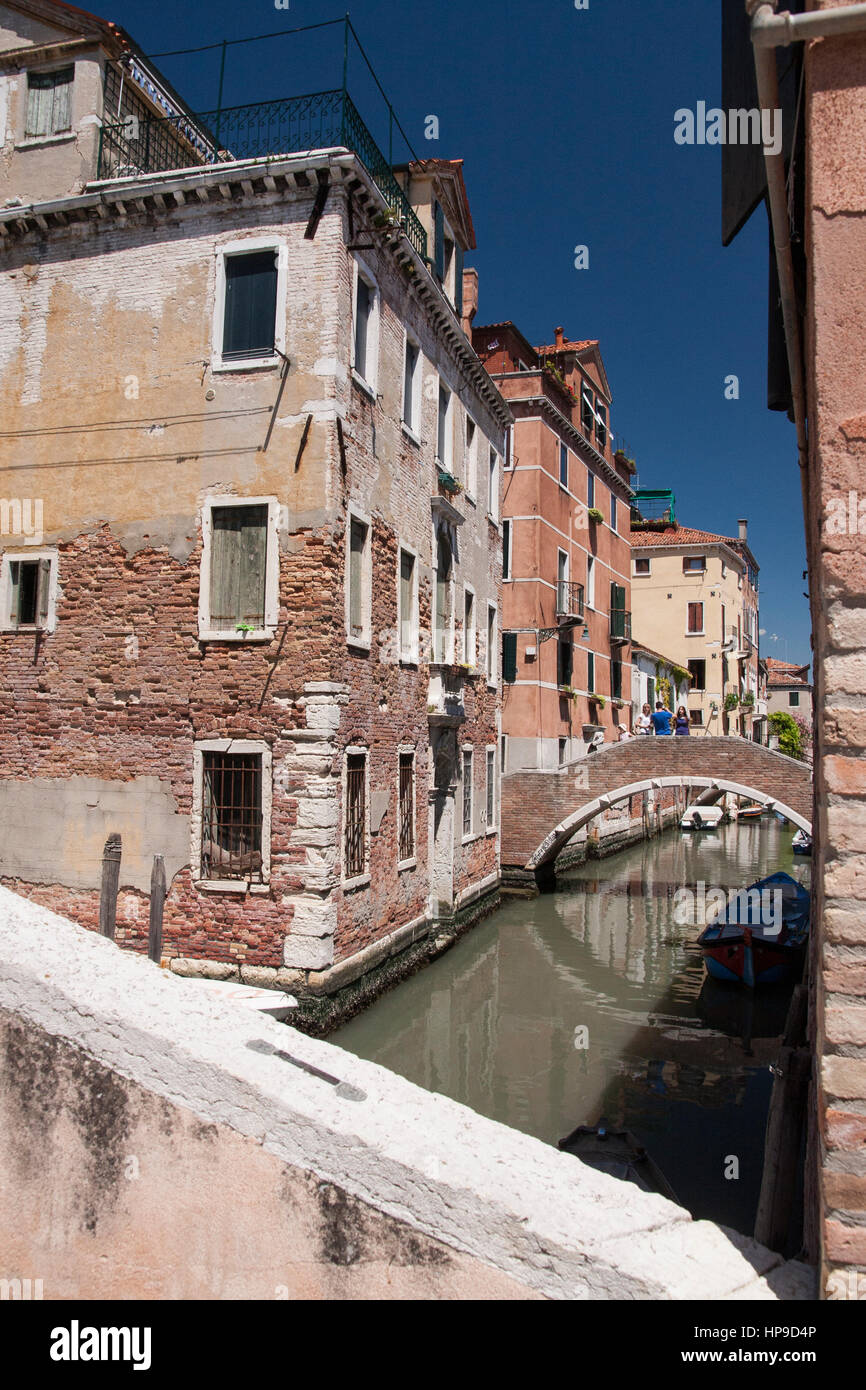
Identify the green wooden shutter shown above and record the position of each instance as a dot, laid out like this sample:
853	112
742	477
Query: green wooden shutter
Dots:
14	591
249	326
438	242
238	567
458	280
590	671
509	657
40	99
43	591
251	577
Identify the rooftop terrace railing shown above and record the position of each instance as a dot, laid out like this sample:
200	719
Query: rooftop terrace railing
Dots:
291	125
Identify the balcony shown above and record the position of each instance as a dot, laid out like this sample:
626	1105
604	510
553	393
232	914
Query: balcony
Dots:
143	144
569	603
445	696
620	626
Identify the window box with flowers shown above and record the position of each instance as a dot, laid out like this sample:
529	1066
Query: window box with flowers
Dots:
449	484
595	514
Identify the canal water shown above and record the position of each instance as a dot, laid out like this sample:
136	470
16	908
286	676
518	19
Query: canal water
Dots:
680	1060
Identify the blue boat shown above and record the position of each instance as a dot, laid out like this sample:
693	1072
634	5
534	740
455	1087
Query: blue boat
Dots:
748	942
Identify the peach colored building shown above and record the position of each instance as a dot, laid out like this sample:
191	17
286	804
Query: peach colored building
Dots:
566	607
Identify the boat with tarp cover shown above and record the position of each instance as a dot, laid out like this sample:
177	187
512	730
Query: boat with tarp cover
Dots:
760	935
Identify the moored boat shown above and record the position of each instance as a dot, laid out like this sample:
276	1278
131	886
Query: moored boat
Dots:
750	813
757	937
802	842
702	818
618	1153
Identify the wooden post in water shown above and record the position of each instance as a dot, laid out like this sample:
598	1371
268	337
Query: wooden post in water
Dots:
157	903
110	880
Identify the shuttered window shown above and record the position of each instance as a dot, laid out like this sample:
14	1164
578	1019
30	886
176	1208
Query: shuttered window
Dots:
407	606
491	645
695	618
442	630
409	378
509	657
590	671
49	102
358	533
29	588
249	325
506	550
238	559
616	679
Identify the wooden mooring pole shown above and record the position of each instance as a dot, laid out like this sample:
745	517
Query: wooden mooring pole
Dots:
782	1146
157	903
110	881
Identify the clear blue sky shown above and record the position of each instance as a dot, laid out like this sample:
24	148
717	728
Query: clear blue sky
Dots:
565	120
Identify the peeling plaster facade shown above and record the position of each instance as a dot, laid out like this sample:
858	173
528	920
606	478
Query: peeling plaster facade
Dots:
122	417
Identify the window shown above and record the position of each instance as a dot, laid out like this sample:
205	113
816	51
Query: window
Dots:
563	751
694	564
469	640
443	636
509	657
642	565
564	661
49	103
590	581
471	466
590	671
695	618
365	298
508	455
249	323
503	752
600	424
698	673
651	691
231	817
793	697
493	490
616	680
506	550
406	850
355	839
359	581
491	789
697	717
612	512
408	607
491	645
562	595
443	435
412	387
467	792
250	304
587	411
563	465
29	585
590	489
239	588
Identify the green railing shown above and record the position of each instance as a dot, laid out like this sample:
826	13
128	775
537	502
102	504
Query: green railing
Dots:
620	625
292	125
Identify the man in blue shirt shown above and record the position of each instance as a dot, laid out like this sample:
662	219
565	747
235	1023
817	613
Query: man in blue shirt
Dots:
662	719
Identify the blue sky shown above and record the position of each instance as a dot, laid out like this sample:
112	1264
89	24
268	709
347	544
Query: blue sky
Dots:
565	119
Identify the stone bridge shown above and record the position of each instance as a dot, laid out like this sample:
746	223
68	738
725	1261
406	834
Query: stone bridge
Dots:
541	811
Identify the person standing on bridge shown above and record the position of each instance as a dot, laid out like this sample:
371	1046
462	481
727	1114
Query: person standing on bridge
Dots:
681	723
662	719
644	723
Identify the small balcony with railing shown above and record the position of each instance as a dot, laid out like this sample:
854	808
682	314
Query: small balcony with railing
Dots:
569	603
620	626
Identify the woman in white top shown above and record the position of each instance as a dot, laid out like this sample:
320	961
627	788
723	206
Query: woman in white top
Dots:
644	723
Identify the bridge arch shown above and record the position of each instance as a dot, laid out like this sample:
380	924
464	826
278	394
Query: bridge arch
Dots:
557	838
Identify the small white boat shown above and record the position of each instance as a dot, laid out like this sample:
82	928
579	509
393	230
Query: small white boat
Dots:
802	843
702	818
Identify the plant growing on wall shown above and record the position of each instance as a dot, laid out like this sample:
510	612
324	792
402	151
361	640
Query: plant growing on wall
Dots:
597	700
732	699
789	735
748	700
664	691
595	514
568	691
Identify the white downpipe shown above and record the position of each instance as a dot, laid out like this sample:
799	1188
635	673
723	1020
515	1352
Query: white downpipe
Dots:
771	30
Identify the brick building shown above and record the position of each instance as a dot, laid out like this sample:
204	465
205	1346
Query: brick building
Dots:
567	574
257	631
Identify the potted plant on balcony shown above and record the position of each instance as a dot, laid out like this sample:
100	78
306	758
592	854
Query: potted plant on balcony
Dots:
596	703
595	514
467	669
731	701
568	692
448	483
747	701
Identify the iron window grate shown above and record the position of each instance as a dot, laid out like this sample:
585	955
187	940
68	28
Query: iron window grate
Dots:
407	809
232	816
356	764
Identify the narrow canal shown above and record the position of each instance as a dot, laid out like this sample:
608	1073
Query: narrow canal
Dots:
680	1060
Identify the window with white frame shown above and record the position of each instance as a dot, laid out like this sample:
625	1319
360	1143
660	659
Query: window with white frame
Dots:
365	328
355	815
493	489
506	549
240	571
231	820
470	474
444	439
359	580
443	624
412	387
491	644
508	455
590	581
28	590
642	565
407	602
467	793
406	803
563	465
469	636
492	818
49	103
600	424
562	594
250	304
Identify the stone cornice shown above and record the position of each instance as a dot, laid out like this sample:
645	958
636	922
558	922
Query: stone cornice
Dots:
581	444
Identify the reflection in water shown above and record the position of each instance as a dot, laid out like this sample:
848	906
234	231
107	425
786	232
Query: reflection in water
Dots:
680	1061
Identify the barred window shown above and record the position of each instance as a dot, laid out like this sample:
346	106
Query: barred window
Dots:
491	788
467	793
356	814
231	842
407	806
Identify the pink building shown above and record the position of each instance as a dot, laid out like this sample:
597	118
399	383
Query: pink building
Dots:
566	603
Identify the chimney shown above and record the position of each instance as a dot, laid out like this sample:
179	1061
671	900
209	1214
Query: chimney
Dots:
744	529
470	300
559	339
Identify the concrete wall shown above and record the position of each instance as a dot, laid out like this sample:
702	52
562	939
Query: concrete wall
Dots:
834	354
152	1145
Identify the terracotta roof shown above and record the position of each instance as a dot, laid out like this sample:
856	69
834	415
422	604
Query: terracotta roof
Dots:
784	673
566	346
680	535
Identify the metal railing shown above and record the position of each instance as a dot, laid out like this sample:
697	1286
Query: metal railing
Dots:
569	599
292	125
620	625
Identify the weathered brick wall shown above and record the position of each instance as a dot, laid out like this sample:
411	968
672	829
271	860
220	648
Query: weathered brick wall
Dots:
533	803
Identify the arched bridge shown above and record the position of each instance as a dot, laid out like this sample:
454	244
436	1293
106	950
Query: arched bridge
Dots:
541	811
